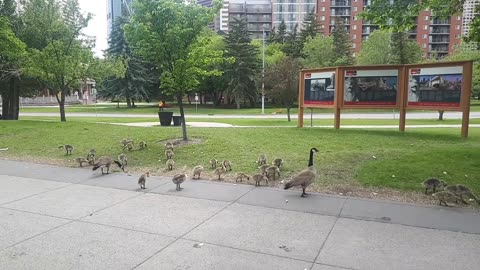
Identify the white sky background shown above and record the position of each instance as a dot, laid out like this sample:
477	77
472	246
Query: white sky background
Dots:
98	25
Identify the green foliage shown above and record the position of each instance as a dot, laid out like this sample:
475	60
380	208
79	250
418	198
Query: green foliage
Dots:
376	49
11	48
281	82
319	52
343	52
242	73
310	27
404	50
474	34
293	45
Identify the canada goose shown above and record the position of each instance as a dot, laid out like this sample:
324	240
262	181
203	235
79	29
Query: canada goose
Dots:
126	143
227	165
68	148
258	178
105	162
197	171
169	154
122	159
142	144
170	163
444	196
91	156
129	146
240	177
273	171
433	183
213	163
179	179
81	160
219	171
454	189
262	159
305	177
169	145
463	190
263	169
143	179
278	162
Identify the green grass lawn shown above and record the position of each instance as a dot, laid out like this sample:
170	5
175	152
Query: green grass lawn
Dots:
345	158
190	109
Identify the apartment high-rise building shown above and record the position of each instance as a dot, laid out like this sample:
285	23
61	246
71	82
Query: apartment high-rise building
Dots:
257	13
437	37
292	12
469	12
116	8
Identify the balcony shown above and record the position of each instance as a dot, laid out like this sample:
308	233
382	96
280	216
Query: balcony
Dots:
439	22
337	3
345	21
439	30
340	13
439	40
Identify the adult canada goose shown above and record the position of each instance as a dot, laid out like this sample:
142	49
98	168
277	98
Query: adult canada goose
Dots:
105	162
305	177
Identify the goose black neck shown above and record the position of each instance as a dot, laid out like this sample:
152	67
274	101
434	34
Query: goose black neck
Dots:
310	161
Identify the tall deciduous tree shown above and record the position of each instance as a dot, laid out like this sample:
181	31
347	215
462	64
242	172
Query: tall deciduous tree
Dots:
281	82
319	52
243	71
139	75
342	44
166	33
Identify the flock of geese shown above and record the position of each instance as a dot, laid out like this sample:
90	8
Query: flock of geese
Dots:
449	193
303	179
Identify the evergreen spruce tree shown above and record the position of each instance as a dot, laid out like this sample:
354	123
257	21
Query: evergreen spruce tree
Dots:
342	44
310	27
139	76
293	44
281	35
272	37
243	71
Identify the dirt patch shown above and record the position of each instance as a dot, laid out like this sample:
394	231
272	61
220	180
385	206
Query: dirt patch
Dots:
181	142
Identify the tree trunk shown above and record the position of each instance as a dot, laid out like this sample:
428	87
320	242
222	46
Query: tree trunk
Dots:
129	102
288	113
237	101
133	103
440	115
182	116
189	100
11	101
61	103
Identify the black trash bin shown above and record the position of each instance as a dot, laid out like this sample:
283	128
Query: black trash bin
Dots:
165	118
177	120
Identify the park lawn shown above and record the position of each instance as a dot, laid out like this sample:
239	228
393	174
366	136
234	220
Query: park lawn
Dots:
256	122
345	162
190	109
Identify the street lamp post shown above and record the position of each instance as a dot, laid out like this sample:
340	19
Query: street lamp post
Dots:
263	71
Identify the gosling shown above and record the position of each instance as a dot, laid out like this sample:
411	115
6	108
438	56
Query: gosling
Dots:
143	179
197	171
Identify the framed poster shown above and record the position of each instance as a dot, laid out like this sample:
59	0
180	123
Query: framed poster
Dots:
319	88
435	86
371	87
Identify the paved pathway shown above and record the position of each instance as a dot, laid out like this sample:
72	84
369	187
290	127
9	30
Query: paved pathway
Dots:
66	218
378	115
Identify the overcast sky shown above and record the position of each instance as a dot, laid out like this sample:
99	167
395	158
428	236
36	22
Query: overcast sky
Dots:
98	25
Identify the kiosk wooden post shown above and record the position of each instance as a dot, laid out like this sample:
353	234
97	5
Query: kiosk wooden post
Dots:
301	95
465	103
403	84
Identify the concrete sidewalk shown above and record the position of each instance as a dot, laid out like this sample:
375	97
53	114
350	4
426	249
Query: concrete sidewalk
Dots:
66	218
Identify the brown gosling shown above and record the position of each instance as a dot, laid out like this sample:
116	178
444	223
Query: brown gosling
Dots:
122	158
142	145
126	141
227	165
213	163
463	191
178	179
130	146
258	178
68	149
444	196
241	176
305	177
278	162
433	184
169	145
197	170
105	162
273	171
169	154
143	179
81	160
263	169
219	171
91	156
170	163
262	159
454	189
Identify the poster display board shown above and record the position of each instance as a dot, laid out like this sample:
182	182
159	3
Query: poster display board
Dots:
319	88
371	88
435	86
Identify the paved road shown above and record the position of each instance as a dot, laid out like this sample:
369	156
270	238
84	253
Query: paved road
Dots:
382	115
65	218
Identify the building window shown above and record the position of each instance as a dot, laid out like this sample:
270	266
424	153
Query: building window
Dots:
457	27
354	45
355	18
424	36
354	36
459	18
323	9
426	18
425	27
354	27
322	18
424	45
354	8
457	36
